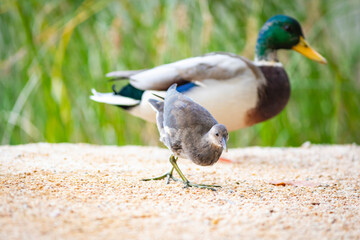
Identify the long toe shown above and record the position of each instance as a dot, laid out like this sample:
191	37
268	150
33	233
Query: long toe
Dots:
166	176
203	186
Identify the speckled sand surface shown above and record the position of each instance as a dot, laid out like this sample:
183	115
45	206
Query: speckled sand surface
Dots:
80	191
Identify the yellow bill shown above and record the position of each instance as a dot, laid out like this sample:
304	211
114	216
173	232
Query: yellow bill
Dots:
304	48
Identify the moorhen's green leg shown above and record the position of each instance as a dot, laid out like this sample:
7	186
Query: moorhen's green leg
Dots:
166	175
184	179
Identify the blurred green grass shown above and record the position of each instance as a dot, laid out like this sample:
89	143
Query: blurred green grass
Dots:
54	52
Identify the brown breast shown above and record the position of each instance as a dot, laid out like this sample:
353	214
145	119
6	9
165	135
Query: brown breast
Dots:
272	96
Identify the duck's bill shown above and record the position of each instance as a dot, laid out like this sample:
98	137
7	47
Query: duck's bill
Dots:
223	144
304	48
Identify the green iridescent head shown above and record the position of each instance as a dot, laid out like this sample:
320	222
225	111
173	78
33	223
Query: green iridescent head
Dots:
283	32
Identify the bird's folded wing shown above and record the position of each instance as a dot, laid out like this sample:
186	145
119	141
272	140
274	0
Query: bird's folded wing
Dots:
218	66
183	112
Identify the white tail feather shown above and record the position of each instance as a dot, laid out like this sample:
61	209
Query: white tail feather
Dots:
111	98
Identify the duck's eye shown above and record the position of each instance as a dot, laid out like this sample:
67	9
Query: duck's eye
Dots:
217	134
287	28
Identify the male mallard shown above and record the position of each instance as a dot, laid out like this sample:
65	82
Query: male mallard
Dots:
236	91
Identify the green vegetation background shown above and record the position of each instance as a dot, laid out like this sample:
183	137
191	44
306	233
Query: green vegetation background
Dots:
54	52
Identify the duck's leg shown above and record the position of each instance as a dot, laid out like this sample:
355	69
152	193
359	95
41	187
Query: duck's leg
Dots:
184	179
168	176
225	160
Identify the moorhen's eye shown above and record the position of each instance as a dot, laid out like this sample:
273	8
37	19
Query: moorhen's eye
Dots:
287	28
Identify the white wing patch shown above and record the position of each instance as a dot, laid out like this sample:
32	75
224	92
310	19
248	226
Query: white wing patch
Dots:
167	130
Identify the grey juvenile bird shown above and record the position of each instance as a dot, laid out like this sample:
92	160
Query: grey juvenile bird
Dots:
189	131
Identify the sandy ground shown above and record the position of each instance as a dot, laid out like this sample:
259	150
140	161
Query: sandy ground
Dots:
80	191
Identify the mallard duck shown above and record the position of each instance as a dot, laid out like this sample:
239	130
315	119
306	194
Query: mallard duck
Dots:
236	91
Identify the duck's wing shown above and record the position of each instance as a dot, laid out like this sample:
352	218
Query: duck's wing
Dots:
217	66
